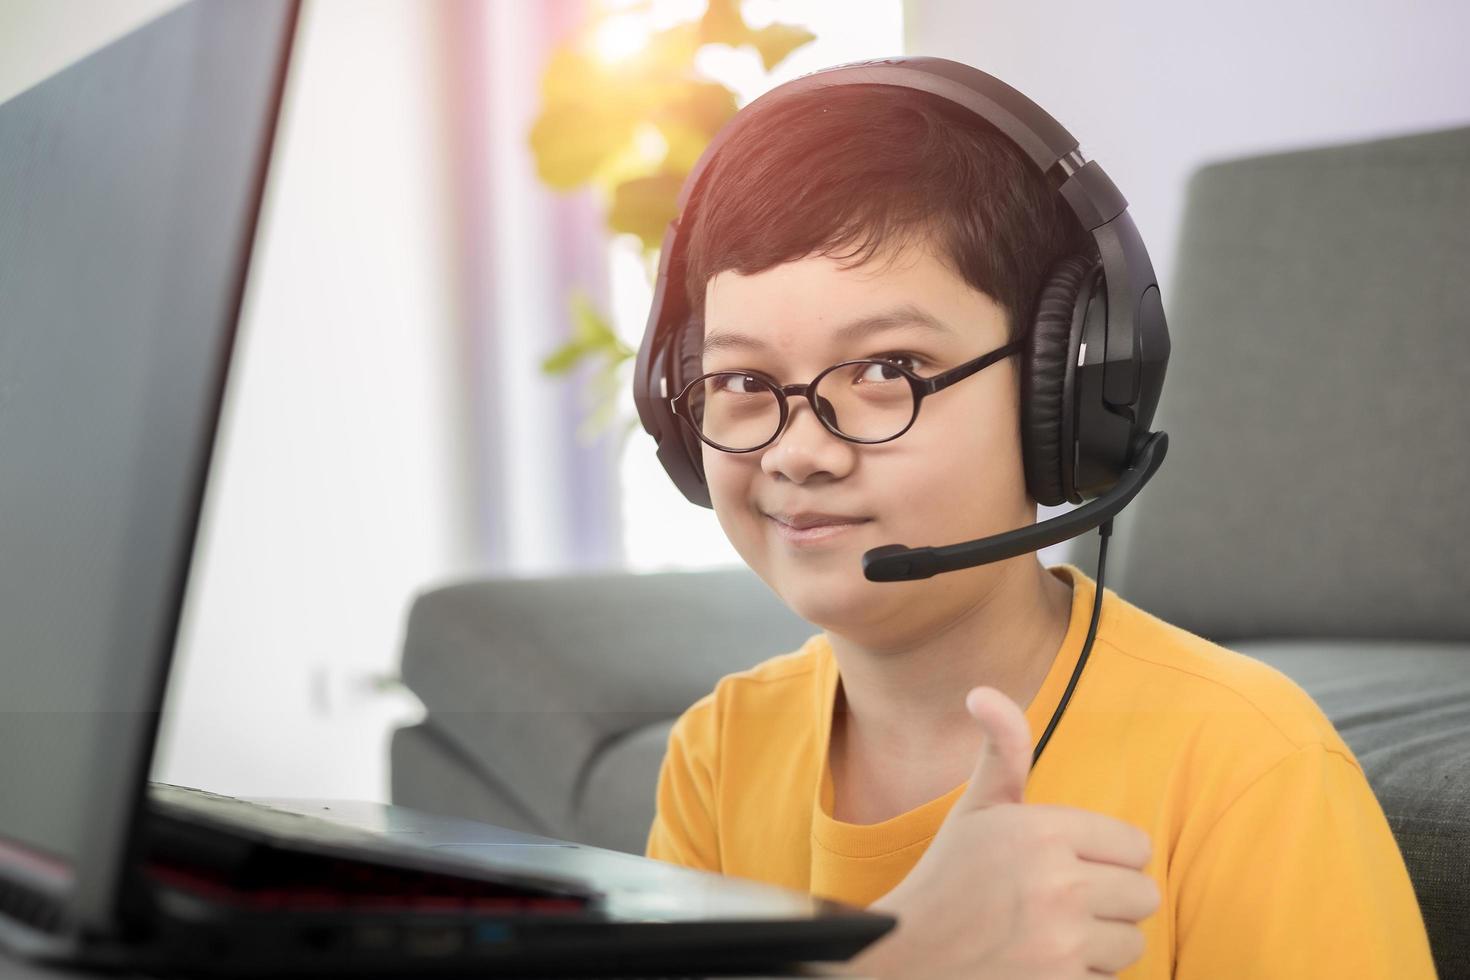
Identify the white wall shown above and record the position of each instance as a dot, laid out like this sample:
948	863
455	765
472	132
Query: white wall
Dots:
337	489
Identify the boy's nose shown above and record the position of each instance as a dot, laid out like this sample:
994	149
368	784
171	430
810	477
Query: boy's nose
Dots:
805	449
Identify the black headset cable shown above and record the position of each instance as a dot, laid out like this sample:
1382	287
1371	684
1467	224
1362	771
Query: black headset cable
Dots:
1105	531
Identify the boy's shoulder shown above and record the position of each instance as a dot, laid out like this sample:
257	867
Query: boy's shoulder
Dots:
1226	689
786	683
781	671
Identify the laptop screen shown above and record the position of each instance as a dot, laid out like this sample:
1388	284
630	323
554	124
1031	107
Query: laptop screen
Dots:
129	186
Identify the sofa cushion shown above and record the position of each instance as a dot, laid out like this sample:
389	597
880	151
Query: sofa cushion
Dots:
616	803
431	773
1404	710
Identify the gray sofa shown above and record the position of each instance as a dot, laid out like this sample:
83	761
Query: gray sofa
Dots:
550	700
1308	515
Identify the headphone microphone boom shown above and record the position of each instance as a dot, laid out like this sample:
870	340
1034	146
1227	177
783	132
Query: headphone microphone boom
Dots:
900	563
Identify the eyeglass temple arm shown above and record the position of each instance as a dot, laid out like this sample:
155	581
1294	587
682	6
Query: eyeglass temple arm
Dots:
941	381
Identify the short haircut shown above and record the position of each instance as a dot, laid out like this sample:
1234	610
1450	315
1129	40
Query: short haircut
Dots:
855	171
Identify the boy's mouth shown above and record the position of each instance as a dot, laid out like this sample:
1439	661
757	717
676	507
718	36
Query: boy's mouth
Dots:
811	527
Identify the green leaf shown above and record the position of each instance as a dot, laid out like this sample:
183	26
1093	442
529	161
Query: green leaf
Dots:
571	142
644	207
722	23
603	391
776	41
701	106
669	54
686	145
570	73
591	327
592	337
688	123
564	358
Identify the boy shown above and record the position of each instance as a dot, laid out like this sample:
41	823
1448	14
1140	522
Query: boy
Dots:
877	222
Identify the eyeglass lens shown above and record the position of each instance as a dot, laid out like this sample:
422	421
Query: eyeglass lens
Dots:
866	400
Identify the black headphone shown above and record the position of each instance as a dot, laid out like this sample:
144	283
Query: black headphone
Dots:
1094	358
1092	363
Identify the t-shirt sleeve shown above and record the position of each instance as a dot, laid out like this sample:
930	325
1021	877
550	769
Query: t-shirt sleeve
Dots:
684	829
1300	877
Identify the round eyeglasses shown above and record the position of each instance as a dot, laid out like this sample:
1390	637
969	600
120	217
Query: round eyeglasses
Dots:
865	401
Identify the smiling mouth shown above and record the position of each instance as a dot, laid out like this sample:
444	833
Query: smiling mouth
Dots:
815	531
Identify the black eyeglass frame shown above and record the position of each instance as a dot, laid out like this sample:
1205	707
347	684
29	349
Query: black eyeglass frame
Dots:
921	387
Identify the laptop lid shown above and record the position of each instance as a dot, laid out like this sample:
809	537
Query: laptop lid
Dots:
129	188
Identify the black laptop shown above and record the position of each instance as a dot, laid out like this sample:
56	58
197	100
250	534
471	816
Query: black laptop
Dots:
129	188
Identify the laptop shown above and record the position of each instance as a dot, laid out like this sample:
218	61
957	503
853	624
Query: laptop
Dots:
129	188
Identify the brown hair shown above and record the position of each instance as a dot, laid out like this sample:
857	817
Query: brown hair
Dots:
855	170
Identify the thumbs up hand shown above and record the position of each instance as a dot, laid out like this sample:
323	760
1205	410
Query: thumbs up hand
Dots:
1005	754
1011	890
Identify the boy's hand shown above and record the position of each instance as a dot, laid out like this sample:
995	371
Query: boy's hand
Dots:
1008	889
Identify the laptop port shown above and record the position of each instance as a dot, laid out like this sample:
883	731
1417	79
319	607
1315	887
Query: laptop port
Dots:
492	933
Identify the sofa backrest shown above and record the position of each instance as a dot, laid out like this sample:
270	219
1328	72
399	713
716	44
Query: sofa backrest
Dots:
1315	401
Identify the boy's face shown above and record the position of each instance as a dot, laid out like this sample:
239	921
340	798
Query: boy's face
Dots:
954	476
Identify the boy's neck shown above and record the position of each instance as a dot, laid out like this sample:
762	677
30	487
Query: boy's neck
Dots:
905	707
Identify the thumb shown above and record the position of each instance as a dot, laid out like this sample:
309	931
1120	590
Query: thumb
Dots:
1005	755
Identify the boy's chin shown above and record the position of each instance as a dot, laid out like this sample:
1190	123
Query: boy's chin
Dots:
840	600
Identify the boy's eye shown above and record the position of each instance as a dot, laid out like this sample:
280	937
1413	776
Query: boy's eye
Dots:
737	384
882	372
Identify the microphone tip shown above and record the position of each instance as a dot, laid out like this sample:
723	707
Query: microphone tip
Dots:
889	563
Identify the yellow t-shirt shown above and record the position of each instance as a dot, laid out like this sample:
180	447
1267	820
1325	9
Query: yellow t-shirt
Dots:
1271	853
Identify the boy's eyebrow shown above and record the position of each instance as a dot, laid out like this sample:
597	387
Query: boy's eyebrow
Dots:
907	315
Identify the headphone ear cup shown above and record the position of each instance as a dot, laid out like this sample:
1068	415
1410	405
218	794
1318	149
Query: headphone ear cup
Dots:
685	360
1046	372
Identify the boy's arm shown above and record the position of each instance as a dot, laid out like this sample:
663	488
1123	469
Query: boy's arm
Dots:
684	830
1299	876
